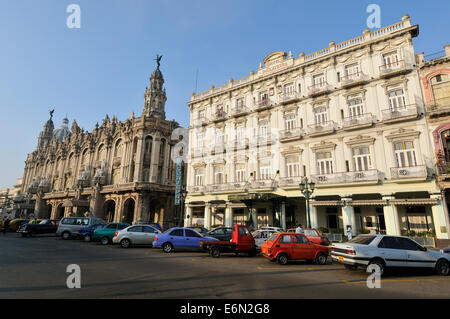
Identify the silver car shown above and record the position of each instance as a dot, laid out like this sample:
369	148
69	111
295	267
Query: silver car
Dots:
69	226
136	235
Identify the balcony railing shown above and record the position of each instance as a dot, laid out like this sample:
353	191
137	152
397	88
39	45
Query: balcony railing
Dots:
393	68
347	177
196	189
291	181
354	122
241	110
399	114
293	134
322	128
319	88
220	116
263	104
263	183
217	187
290	97
353	79
409	172
199	151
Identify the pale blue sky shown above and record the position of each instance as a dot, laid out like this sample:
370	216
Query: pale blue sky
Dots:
103	67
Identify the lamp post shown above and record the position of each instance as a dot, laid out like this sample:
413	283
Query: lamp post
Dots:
183	194
307	190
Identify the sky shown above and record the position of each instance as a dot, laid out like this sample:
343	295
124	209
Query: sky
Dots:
104	66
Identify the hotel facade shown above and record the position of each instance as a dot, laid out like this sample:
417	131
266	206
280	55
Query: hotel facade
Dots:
350	118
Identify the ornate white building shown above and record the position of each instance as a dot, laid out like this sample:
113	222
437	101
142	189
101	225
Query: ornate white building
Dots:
350	117
121	171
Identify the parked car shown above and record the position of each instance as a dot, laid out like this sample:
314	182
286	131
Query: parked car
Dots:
86	233
15	224
276	229
47	226
106	234
282	247
388	252
69	226
201	230
221	233
314	235
135	235
261	236
242	241
178	238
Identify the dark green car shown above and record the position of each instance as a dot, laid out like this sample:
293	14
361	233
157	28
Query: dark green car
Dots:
106	234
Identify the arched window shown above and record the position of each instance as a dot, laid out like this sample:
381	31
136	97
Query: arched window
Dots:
118	149
148	145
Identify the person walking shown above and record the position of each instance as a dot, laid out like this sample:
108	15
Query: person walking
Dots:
299	229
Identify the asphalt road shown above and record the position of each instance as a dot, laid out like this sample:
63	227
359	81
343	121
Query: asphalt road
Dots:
36	268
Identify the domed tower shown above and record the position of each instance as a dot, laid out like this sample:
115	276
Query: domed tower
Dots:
63	131
155	97
47	133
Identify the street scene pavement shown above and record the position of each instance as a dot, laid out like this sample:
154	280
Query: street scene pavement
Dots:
36	268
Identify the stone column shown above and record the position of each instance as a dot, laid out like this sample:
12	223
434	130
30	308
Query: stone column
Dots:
39	207
228	215
313	216
439	218
187	212
391	218
155	160
207	215
139	160
348	216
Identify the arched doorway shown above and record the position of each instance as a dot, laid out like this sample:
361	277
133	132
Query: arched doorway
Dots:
128	211
60	211
109	211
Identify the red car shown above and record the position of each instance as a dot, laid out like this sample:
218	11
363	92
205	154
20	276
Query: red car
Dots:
314	236
283	247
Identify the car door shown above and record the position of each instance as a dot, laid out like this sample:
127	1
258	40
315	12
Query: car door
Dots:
246	242
302	248
391	250
417	255
149	235
176	237
285	244
192	239
135	235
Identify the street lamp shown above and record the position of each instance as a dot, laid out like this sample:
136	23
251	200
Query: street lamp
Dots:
307	190
183	194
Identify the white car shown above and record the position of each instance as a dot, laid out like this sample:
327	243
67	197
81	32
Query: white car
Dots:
276	229
388	251
136	235
261	236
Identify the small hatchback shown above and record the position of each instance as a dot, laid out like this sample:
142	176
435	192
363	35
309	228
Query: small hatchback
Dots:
282	247
69	226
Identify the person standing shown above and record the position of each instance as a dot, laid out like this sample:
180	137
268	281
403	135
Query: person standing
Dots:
299	229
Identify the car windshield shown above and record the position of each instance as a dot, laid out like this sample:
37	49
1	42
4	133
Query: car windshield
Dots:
311	233
272	237
362	240
44	222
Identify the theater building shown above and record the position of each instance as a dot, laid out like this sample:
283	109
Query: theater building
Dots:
120	171
349	117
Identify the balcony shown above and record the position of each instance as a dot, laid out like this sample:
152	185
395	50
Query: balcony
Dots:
409	172
196	189
220	116
319	88
263	104
357	122
291	135
293	181
353	79
217	188
290	98
265	139
404	113
347	177
439	107
239	111
393	69
263	183
217	148
198	152
322	128
238	144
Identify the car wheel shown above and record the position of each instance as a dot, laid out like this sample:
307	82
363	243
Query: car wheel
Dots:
282	259
87	238
215	252
104	241
442	267
380	264
167	247
125	243
321	259
65	235
350	267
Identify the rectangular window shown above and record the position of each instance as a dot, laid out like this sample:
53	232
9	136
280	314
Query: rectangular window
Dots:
324	163
218	175
355	107
201	115
289	89
320	115
290	120
319	81
391	60
405	154
199	175
199	140
292	166
240	173
362	160
263	129
239	103
264	171
397	99
263	97
352	70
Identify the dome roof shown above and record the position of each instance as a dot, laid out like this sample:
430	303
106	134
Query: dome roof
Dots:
63	131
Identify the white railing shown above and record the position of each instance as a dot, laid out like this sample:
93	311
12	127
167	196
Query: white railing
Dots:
290	97
399	113
393	67
263	103
264	183
353	78
347	177
196	189
293	133
291	181
217	187
322	127
363	119
409	172
239	110
319	88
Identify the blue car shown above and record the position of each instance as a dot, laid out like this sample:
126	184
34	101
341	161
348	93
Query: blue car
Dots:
178	238
87	233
